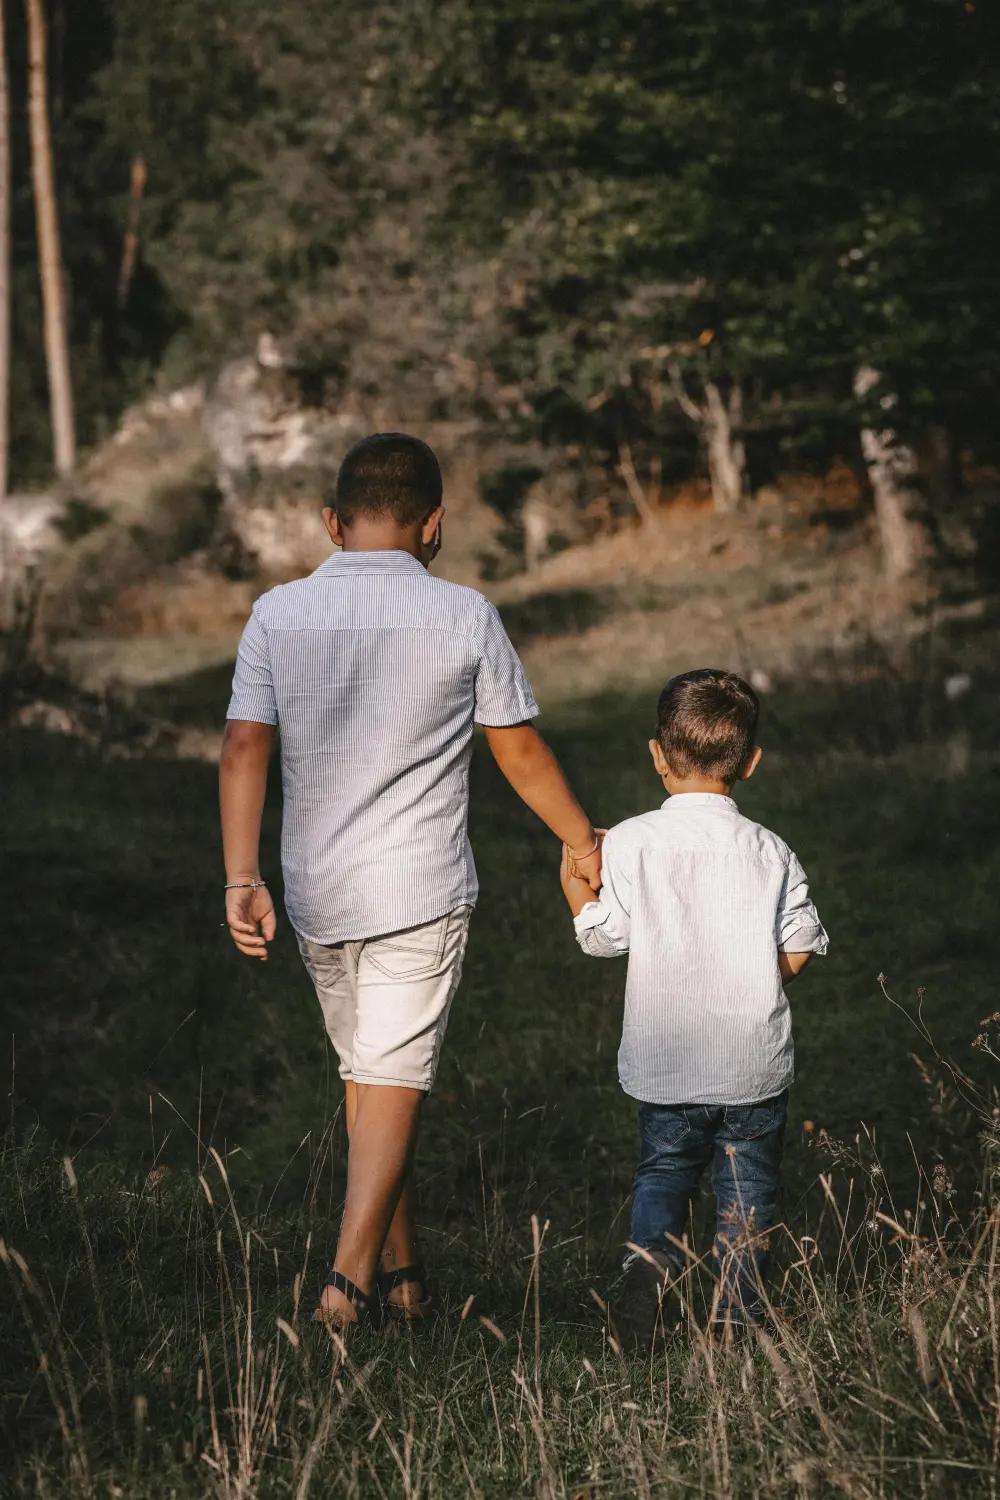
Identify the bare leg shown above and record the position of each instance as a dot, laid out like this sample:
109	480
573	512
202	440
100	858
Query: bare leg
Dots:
400	1248
383	1134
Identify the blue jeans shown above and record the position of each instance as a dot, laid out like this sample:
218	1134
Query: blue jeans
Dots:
744	1144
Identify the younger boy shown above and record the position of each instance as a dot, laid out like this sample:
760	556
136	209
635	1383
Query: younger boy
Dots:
714	913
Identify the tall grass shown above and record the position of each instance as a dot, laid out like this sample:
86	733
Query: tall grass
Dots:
158	1341
155	1324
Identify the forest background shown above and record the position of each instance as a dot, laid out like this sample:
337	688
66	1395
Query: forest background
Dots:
631	244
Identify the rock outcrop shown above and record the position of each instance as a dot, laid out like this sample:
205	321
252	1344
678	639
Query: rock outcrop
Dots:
199	500
138	500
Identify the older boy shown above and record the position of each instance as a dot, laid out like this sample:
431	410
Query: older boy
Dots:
374	672
714	913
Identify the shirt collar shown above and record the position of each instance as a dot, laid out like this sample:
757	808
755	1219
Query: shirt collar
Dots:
700	799
371	562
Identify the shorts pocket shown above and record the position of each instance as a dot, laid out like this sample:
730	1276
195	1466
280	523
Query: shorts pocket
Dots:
414	954
325	963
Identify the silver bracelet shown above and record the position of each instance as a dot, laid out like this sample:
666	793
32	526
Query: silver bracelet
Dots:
245	885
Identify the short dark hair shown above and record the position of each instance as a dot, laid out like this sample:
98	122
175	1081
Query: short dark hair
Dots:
388	474
706	722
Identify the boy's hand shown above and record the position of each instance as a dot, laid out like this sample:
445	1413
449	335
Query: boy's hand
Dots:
251	920
589	867
577	890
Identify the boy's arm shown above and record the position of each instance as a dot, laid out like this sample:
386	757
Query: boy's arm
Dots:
603	924
800	933
246	751
537	778
791	964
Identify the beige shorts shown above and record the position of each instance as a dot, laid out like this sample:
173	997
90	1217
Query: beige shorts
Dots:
386	1000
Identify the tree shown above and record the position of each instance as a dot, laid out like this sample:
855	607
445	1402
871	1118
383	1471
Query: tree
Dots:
496	208
720	420
49	253
813	183
287	185
892	470
5	258
664	175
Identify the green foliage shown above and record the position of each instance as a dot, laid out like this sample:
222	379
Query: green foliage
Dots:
263	143
500	209
810	183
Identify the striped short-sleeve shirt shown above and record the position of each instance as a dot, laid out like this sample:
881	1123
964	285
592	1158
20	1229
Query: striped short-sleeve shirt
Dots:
702	900
375	672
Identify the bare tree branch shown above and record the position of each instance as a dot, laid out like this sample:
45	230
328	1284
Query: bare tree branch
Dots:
637	494
687	406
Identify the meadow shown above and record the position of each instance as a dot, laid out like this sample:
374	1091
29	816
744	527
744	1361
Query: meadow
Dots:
172	1167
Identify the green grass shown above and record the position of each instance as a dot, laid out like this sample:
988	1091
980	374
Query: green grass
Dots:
138	1039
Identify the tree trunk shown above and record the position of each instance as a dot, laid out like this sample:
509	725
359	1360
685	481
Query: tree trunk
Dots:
4	260
727	461
49	256
892	470
943	481
130	246
535	521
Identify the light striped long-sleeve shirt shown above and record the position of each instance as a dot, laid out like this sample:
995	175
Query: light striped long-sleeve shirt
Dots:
702	900
374	672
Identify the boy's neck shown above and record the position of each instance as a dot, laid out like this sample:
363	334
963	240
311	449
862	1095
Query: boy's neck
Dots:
377	536
690	785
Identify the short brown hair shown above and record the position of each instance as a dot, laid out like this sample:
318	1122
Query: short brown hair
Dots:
388	474
706	722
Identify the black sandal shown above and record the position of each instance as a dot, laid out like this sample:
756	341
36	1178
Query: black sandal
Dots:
368	1310
387	1281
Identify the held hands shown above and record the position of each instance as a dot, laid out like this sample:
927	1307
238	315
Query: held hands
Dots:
574	877
587	865
251	919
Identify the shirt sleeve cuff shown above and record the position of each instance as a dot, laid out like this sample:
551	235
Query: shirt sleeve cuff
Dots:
506	718
251	711
810	938
591	916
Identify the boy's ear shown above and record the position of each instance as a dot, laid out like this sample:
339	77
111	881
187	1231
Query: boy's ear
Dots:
332	523
431	525
659	759
752	763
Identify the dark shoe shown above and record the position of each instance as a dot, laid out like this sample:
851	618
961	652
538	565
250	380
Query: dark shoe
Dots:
635	1315
368	1310
404	1312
